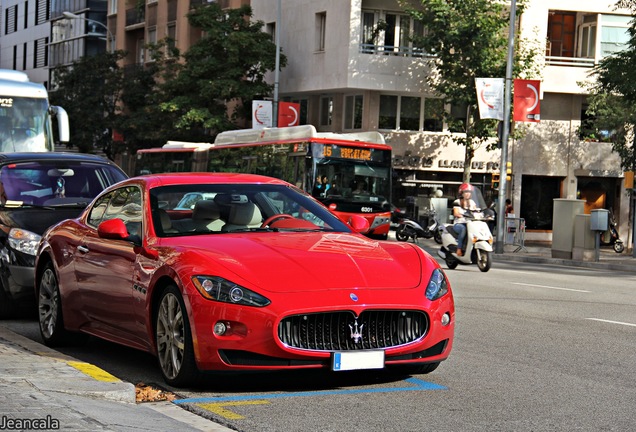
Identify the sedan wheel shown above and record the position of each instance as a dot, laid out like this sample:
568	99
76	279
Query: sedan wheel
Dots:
174	340
50	312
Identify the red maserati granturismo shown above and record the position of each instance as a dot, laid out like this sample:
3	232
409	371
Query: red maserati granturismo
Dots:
255	274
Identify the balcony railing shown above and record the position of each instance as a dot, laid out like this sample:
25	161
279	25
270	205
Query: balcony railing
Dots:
569	61
135	16
402	51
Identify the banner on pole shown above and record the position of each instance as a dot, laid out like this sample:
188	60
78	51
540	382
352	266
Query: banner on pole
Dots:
490	97
527	103
288	114
261	114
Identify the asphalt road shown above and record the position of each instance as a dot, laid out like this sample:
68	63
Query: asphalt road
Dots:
537	348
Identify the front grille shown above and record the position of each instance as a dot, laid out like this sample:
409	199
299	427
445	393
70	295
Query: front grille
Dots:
332	331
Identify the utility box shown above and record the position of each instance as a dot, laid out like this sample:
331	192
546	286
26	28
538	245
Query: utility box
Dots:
599	220
563	216
584	239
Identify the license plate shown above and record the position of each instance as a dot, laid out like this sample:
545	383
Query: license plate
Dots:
342	361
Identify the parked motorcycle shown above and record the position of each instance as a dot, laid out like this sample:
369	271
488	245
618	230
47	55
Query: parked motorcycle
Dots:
610	237
478	248
408	228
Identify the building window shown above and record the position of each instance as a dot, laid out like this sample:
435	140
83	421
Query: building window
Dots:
172	36
407	113
40	59
353	112
24	56
42	11
388	112
614	33
26	14
112	7
389	33
11	19
589	129
459	115
561	30
433	115
152	35
537	200
321	25
141	51
326	110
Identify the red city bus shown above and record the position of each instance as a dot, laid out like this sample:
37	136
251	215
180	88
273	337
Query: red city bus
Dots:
357	166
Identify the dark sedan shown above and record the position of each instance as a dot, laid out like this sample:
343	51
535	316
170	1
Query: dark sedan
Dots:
38	190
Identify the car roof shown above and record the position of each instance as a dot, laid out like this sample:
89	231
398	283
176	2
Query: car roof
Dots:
154	180
51	156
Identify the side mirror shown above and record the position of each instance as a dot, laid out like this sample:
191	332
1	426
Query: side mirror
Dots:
113	229
359	224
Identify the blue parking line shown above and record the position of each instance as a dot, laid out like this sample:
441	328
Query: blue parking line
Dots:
419	385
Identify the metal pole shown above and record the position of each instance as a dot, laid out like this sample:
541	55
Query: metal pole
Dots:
501	205
277	67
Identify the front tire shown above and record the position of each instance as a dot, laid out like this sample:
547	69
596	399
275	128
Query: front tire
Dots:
619	247
174	340
484	261
437	236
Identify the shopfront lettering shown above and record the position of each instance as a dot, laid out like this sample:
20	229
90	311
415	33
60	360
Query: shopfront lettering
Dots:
421	162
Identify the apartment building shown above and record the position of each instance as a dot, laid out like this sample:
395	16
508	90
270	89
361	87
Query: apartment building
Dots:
349	78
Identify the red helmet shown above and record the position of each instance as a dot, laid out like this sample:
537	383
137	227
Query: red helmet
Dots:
465	187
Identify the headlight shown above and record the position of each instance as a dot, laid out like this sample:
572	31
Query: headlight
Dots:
437	285
24	241
222	290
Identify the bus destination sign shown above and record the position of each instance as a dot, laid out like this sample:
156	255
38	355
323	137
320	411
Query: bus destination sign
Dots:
362	154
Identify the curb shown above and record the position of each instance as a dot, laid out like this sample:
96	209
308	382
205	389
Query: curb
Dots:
81	379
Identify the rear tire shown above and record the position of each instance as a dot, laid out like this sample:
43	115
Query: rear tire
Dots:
484	261
451	262
400	236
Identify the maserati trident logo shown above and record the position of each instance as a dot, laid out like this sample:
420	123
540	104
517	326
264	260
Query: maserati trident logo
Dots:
353	297
356	332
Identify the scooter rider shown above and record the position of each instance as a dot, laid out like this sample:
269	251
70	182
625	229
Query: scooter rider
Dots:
461	205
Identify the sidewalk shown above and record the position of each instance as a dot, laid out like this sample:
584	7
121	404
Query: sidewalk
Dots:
42	389
539	252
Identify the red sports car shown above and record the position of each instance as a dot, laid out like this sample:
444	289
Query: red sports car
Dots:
255	275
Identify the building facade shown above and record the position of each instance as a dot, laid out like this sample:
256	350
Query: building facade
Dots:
348	76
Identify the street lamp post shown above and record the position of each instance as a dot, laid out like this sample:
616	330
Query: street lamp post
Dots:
109	35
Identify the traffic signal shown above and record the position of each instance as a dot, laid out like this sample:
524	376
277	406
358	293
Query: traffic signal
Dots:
508	171
495	181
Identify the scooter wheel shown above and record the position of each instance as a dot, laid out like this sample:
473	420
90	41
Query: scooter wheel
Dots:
400	236
484	261
451	262
619	247
437	236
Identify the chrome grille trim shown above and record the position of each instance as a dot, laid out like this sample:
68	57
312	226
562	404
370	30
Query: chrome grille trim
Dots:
330	331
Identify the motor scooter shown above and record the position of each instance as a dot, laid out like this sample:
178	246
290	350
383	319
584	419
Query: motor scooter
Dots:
610	237
478	249
408	228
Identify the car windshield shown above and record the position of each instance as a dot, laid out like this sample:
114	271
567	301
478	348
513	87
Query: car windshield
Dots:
55	182
222	208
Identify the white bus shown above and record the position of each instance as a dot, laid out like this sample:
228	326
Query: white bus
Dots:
25	115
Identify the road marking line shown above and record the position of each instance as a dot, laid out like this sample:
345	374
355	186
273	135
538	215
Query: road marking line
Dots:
550	287
419	385
217	408
612	322
93	371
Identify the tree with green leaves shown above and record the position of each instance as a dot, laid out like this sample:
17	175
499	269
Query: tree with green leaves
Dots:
467	39
225	68
612	98
89	91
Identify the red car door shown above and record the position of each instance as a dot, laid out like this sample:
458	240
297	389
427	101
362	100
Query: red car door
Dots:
104	268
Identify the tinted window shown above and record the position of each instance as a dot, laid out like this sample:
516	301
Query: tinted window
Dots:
56	182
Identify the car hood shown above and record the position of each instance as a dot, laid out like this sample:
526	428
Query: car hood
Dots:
36	219
286	262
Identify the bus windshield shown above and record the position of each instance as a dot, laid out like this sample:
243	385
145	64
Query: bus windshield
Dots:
24	124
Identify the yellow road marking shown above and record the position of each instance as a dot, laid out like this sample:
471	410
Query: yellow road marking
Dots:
217	408
93	371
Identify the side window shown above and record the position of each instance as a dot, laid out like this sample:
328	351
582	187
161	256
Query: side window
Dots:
123	203
96	215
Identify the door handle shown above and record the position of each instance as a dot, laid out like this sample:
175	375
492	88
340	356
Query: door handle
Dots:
82	249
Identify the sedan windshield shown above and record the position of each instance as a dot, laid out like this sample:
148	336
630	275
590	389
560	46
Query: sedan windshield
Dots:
56	182
223	208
